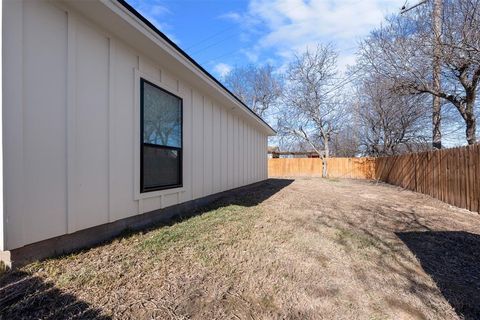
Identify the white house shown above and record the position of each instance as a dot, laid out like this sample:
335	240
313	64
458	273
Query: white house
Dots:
105	122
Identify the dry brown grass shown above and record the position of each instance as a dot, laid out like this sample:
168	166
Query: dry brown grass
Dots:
312	249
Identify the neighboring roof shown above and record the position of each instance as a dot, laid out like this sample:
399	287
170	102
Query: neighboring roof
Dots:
294	153
183	53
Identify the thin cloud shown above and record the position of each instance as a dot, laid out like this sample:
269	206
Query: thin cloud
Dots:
222	69
232	16
289	26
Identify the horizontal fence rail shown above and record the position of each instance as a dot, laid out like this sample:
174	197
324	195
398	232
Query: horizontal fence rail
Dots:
451	175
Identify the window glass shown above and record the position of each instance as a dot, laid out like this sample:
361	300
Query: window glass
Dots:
161	167
161	117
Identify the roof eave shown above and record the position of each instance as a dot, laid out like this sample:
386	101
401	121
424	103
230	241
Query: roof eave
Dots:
189	60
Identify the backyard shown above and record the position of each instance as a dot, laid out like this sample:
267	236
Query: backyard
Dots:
307	248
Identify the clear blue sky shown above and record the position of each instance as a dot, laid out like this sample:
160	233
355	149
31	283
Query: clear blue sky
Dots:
221	34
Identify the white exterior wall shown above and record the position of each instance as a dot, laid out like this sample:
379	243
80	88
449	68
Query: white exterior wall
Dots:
1	134
72	131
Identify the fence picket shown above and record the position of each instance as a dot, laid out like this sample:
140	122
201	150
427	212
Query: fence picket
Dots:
451	175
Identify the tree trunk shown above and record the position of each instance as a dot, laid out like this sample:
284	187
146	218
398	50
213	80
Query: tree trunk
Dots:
324	168
436	123
471	124
436	112
325	160
469	116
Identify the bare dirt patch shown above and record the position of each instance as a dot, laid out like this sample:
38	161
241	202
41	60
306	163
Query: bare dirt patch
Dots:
304	249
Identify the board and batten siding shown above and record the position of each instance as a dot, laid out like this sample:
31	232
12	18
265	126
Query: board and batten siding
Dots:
72	137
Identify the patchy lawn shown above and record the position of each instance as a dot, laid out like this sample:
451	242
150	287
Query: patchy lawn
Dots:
303	249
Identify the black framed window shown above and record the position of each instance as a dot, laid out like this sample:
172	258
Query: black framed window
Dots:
161	131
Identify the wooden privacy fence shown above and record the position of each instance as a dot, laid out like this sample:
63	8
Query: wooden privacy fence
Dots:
352	168
451	175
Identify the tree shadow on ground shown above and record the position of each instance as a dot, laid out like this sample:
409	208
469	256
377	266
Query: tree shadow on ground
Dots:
452	259
23	296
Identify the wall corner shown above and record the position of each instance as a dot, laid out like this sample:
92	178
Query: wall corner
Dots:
2	207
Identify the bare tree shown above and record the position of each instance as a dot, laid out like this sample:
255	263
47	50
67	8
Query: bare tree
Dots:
257	86
389	123
311	110
403	50
346	142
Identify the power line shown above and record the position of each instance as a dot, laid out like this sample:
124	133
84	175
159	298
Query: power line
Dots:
222	55
211	45
345	82
210	37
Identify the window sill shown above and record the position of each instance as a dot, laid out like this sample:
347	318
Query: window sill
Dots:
158	193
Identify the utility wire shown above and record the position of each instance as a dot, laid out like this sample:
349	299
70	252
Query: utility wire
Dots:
210	37
350	79
211	45
222	55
